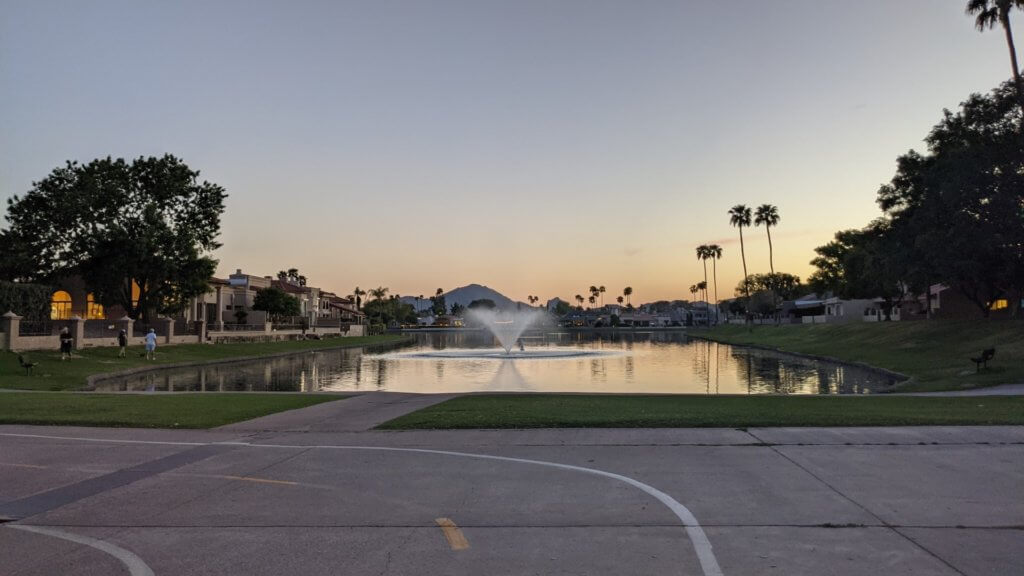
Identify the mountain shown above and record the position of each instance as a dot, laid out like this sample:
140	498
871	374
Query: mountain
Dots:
465	295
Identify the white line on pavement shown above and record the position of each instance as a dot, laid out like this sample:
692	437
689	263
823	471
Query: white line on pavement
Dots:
136	567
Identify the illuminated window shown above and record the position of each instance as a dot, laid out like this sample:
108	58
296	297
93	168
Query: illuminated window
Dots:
1000	304
60	306
93	311
135	293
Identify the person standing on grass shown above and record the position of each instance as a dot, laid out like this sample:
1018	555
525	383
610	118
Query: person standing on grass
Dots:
65	344
122	341
151	345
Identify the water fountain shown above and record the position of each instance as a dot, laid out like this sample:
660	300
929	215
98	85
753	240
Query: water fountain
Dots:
507	327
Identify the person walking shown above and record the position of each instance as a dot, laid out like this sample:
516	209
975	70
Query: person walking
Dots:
65	344
151	345
122	341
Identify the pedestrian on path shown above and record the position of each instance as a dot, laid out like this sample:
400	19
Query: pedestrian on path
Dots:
122	341
151	345
65	344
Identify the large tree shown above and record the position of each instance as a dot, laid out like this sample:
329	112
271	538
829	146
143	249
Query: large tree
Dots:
276	303
138	233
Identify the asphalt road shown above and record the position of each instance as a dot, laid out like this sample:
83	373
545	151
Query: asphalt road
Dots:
319	500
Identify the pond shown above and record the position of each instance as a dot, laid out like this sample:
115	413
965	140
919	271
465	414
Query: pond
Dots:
468	361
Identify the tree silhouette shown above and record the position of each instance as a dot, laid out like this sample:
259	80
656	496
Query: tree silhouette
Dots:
739	216
769	216
627	292
716	254
987	13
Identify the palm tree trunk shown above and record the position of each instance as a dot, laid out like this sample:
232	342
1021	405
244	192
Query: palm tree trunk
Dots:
1005	19
771	260
707	320
743	255
714	275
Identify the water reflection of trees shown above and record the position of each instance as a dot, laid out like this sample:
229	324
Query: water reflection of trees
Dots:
766	373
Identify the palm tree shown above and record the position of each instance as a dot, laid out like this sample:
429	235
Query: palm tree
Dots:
619	300
593	292
987	13
693	290
358	293
769	216
703	253
601	290
378	294
739	216
579	301
592	299
703	287
716	254
627	292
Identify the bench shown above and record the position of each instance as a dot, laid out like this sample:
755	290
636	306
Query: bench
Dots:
986	355
26	365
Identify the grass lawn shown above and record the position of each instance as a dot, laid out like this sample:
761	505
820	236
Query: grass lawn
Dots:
53	374
146	411
629	411
935	354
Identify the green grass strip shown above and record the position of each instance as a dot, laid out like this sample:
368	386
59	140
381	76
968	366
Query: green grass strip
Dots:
198	410
629	411
935	354
51	373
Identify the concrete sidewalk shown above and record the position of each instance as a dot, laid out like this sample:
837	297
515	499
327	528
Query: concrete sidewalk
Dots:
303	500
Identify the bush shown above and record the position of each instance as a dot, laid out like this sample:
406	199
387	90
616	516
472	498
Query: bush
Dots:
30	301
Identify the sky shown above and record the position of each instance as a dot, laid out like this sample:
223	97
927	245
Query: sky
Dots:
534	146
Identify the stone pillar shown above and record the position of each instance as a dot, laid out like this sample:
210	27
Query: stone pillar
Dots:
170	329
78	332
201	330
125	323
11	324
220	308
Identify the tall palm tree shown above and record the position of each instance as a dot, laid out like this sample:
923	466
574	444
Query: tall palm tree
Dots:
987	13
693	290
627	292
579	301
703	287
716	254
769	216
739	216
703	253
601	290
378	294
592	300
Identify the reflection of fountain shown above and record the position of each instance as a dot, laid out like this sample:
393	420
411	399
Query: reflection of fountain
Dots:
507	327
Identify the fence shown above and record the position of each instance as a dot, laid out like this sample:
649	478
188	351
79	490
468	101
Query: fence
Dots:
100	329
243	327
184	327
37	328
141	328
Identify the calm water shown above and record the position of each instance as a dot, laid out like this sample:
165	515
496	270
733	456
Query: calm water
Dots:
660	362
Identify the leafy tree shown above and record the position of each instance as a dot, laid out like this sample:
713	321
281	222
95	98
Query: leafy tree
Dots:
276	303
438	306
956	214
148	224
562	308
458	309
987	13
767	215
390	311
780	284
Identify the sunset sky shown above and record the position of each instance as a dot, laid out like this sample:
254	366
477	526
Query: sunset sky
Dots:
537	147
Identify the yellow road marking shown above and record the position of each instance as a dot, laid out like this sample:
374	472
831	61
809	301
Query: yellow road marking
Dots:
455	538
34	466
260	480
